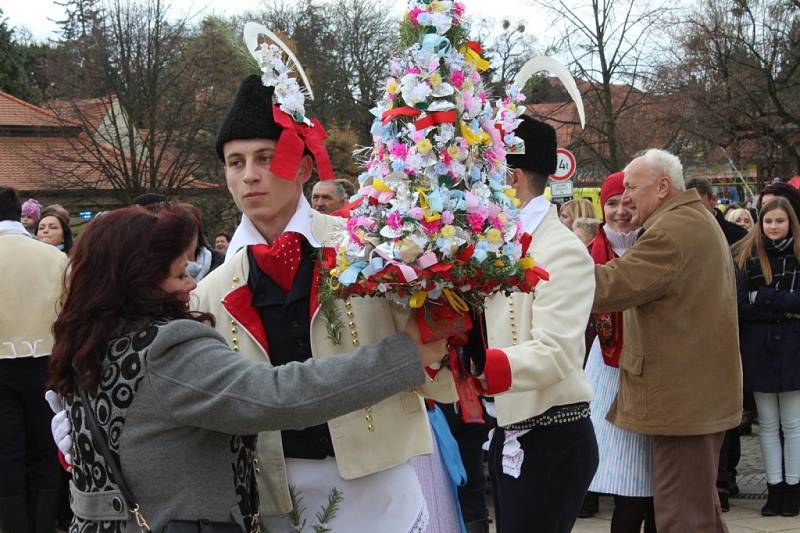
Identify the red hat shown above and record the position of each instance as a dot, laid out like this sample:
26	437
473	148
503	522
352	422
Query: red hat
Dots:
612	186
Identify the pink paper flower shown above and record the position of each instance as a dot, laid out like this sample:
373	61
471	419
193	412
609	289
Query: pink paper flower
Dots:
475	221
413	14
457	78
447	217
495	222
394	220
458	9
400	151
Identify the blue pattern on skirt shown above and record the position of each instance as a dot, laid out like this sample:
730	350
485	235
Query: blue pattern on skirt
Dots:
625	457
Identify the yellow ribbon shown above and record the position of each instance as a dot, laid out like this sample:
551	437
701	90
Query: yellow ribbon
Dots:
455	300
474	57
473	138
527	263
418	299
379	185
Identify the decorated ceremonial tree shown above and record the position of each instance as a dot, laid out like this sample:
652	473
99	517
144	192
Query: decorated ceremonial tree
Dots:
437	227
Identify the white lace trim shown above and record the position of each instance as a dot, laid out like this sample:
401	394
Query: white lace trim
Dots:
620	242
422	521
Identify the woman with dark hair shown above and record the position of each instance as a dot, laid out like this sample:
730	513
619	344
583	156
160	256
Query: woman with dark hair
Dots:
54	228
768	283
178	409
203	259
779	189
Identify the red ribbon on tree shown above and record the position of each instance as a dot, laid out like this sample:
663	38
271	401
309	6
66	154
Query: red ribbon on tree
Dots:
291	145
404	111
436	117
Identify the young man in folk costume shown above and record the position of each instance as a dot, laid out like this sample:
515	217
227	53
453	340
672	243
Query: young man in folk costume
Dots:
543	453
265	300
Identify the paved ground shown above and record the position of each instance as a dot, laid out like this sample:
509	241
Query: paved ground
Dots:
744	516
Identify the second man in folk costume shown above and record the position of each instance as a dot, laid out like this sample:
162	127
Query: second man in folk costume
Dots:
265	300
543	453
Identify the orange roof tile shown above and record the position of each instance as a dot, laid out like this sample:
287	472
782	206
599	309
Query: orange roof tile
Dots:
24	162
15	112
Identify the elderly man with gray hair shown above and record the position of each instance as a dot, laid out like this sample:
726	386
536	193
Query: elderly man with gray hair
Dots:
328	196
676	382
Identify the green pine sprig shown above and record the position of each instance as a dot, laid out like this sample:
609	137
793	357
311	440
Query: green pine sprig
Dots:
328	512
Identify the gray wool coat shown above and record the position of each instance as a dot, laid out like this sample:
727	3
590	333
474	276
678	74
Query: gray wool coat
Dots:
180	410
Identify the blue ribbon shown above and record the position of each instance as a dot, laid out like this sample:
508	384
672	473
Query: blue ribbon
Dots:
349	276
437	44
451	456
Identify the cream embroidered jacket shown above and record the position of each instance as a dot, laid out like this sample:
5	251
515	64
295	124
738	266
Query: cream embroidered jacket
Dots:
31	281
541	335
366	441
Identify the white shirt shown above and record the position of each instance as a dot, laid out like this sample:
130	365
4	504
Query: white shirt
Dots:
533	213
247	233
12	227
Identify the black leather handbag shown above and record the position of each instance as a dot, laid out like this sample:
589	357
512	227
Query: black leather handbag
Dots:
173	526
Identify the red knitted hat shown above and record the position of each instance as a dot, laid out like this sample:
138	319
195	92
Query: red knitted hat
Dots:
612	186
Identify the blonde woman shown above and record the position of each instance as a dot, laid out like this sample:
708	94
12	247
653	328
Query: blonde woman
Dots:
741	217
575	209
768	283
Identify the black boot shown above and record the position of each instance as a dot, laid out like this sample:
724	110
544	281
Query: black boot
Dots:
44	505
591	504
790	505
724	502
774	500
13	515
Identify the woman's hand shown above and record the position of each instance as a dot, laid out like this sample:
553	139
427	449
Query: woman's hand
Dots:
429	353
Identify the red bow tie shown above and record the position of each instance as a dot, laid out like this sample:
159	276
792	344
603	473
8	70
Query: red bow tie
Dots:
281	259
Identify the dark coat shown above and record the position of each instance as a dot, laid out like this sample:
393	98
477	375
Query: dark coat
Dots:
733	233
769	335
216	260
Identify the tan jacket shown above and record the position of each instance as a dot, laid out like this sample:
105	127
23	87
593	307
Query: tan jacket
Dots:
543	333
367	441
680	369
31	282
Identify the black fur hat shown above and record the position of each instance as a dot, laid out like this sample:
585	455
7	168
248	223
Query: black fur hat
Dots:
10	207
250	116
540	147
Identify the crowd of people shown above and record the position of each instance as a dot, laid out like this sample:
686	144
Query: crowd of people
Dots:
194	382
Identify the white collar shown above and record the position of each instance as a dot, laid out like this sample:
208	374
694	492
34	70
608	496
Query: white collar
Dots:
247	233
620	242
533	213
13	227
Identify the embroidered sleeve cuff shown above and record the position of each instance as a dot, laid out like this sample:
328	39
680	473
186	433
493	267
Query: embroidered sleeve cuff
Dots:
497	373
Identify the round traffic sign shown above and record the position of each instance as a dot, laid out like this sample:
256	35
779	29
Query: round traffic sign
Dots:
565	165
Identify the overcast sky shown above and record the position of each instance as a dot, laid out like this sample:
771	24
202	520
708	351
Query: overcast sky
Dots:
38	15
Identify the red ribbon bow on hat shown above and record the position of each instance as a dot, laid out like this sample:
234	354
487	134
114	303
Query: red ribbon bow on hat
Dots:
281	259
294	139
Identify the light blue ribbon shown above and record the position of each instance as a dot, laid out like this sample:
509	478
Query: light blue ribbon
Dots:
437	44
349	276
451	456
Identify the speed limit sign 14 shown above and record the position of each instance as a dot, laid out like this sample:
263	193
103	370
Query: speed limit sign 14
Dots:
565	165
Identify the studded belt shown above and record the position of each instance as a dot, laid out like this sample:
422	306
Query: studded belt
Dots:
560	414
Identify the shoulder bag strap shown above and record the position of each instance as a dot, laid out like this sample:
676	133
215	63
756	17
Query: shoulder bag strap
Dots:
111	463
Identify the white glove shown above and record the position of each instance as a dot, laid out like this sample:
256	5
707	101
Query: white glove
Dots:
60	426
